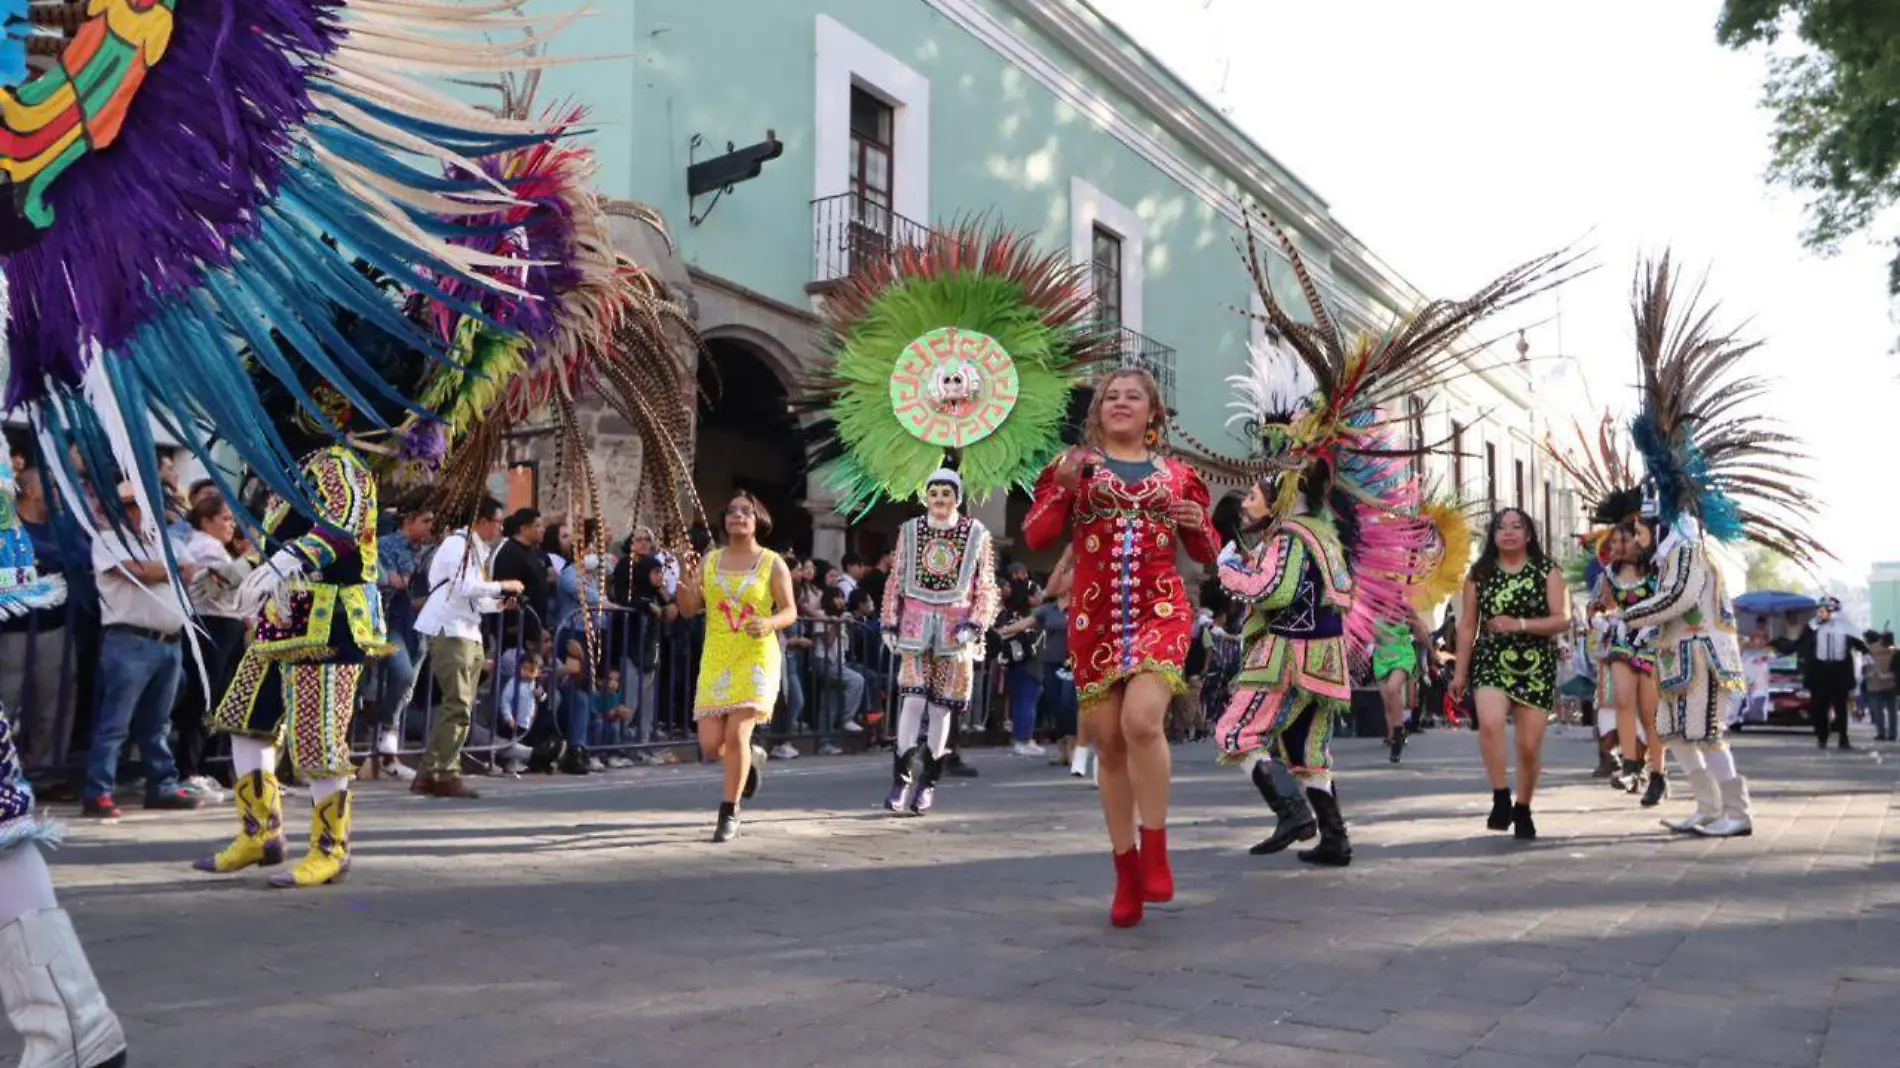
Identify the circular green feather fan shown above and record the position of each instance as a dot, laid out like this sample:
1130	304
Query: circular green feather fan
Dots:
962	352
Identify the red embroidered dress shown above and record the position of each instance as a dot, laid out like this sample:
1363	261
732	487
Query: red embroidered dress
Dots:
1129	613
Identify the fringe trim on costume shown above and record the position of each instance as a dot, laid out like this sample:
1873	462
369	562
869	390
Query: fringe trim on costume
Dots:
39	829
1095	691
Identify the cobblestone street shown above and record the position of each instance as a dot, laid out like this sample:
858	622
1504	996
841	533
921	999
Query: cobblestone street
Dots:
587	922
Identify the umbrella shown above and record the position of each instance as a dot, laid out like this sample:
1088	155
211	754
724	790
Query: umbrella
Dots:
1771	602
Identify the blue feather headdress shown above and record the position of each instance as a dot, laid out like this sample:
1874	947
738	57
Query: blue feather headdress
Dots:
1735	472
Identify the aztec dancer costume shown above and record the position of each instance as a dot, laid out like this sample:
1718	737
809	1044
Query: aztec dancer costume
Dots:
321	620
1343	545
225	216
950	367
1711	474
48	986
940	602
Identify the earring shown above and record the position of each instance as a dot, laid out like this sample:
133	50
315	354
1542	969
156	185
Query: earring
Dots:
1153	437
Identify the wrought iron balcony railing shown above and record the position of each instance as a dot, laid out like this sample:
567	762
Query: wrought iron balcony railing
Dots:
849	231
1139	350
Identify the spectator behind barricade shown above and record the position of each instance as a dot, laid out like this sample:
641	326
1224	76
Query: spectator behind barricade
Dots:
140	664
177	527
570	723
38	665
1019	649
580	583
869	654
798	641
404	589
222	557
461	593
519	705
651	611
613	725
875	579
519	559
853	568
840	685
1059	702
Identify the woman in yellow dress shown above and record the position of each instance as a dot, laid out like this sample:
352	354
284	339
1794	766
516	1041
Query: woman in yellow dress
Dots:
746	591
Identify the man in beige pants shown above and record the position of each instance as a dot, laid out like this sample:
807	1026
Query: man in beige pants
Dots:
460	593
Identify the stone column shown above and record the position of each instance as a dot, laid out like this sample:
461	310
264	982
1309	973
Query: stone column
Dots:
994	515
828	525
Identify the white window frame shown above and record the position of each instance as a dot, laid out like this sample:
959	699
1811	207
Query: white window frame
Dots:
1089	207
844	60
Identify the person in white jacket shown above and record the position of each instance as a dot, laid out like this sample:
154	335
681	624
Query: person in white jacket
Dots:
460	593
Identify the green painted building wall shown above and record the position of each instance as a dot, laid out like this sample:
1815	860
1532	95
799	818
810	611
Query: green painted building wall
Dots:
1000	144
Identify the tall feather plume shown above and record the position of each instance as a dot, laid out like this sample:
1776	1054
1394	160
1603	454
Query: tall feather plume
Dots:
1601	466
1737	471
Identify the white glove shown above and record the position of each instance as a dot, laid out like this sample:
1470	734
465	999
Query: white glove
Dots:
1646	636
965	633
261	584
1229	554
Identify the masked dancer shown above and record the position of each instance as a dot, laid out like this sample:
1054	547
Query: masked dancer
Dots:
1713	476
941	602
320	621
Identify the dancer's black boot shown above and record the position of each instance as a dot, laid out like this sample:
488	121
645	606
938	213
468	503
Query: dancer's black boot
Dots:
926	794
1282	794
1398	743
755	773
1500	818
1658	788
728	828
1334	849
899	797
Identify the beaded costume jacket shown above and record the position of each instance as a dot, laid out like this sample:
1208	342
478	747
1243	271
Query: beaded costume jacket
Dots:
1693	612
1298	589
945	578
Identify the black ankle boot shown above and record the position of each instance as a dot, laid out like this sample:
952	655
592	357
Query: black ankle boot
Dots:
728	828
1282	794
574	761
1521	822
1606	765
753	776
1500	818
1398	743
1334	849
1658	788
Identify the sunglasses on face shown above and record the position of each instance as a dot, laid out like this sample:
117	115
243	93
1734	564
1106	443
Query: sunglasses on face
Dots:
740	511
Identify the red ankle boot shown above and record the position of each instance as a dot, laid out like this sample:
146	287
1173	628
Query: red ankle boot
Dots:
1126	910
1157	879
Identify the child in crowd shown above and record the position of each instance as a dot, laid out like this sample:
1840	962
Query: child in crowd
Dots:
520	703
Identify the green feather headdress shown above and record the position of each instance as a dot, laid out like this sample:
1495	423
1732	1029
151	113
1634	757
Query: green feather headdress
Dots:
959	352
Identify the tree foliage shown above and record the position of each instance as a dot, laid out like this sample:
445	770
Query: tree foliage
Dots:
1836	101
1769	570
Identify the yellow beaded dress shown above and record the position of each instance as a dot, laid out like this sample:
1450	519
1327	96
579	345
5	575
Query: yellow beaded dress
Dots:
738	672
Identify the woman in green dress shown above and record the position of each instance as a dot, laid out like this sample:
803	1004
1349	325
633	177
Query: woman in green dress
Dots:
1515	603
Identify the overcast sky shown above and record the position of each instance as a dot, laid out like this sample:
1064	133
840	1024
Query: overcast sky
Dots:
1458	137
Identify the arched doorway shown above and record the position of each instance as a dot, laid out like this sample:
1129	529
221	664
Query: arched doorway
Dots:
749	439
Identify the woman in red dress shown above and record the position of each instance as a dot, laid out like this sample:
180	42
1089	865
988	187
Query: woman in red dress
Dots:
1127	508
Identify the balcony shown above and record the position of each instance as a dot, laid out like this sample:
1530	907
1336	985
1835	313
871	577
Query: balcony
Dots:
1140	350
849	232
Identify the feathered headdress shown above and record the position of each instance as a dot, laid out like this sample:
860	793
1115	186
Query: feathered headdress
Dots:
961	350
1611	487
247	172
1732	471
1314	403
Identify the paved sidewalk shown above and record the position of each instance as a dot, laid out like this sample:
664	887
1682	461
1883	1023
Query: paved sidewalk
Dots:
586	922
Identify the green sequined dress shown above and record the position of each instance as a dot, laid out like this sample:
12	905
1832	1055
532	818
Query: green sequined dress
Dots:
1522	665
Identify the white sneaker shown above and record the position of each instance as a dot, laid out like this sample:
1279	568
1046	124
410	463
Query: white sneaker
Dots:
594	765
1034	750
828	749
206	787
387	743
398	770
853	726
617	761
785	752
514	752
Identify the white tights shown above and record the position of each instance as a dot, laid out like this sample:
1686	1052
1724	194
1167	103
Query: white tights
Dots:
255	754
1715	759
25	884
910	722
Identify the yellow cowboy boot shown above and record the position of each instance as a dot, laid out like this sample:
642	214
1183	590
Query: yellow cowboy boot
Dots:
260	840
329	858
